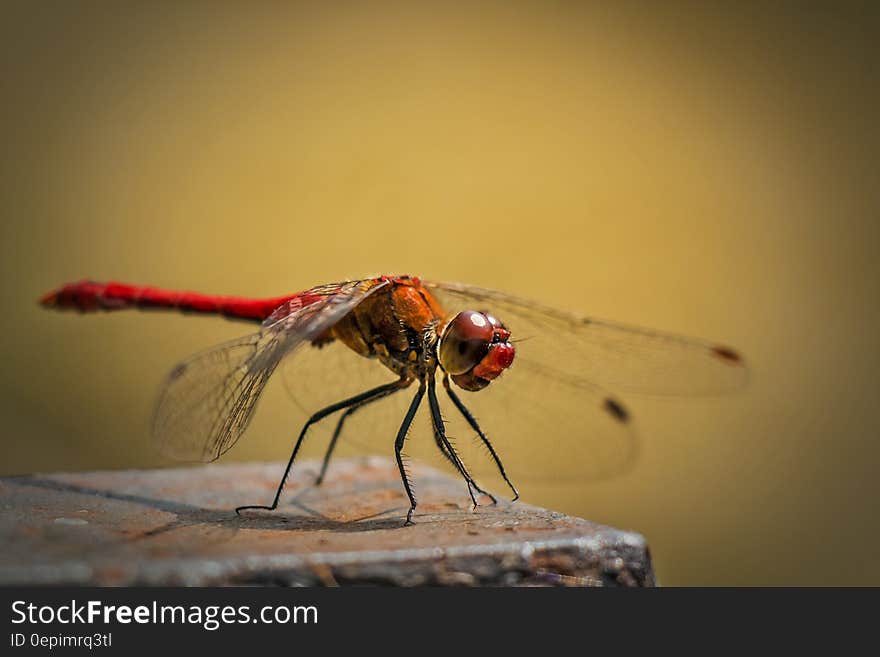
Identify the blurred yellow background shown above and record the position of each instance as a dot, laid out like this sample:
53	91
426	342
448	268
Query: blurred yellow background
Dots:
710	171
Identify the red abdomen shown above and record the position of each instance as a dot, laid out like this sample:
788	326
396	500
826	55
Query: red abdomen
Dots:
90	296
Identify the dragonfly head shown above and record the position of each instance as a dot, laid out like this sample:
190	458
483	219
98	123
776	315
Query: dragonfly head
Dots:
474	348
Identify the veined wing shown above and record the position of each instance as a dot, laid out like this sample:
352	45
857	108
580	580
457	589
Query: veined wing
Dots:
549	417
208	400
600	352
543	428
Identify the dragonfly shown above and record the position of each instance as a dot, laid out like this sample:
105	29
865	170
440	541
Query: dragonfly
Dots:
540	376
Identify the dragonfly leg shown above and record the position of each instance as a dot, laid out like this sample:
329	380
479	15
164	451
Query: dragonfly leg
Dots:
452	459
449	457
398	446
476	427
320	415
379	393
446	447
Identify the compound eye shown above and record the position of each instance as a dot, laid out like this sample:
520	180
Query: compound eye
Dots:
465	341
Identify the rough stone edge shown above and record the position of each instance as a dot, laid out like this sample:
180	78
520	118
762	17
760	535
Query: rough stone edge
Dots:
612	558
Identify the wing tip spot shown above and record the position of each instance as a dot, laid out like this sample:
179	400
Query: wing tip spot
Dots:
177	372
727	354
616	410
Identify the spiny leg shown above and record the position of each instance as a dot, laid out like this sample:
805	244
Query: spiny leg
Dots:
398	446
443	449
380	393
444	444
324	412
452	459
476	427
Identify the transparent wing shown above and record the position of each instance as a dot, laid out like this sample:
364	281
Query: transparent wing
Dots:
542	427
548	418
316	377
208	400
595	351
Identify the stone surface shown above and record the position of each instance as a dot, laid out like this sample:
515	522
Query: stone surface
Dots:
177	527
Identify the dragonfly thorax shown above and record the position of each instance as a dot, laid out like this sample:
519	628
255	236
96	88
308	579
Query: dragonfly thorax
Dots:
406	329
397	326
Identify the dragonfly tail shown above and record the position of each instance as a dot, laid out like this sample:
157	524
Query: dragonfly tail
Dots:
91	296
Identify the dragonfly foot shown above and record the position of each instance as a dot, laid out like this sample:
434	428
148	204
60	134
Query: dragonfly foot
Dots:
239	509
409	520
481	492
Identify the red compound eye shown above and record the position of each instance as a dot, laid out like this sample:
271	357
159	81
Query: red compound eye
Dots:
465	341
